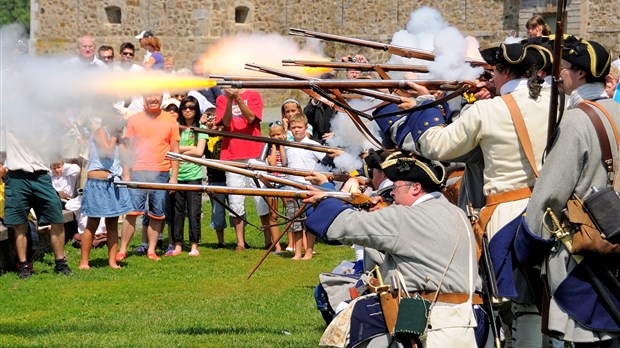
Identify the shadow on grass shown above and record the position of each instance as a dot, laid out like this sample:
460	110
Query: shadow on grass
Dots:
223	331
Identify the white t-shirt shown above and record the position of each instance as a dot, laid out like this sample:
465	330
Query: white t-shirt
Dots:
302	158
67	181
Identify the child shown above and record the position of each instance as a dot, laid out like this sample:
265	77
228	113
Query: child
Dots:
101	199
64	178
276	157
301	159
215	178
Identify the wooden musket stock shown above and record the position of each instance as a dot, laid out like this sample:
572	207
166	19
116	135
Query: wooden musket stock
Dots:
338	84
290	75
393	49
265	140
283	170
353	198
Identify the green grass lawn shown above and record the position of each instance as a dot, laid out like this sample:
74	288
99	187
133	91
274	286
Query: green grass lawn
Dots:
177	302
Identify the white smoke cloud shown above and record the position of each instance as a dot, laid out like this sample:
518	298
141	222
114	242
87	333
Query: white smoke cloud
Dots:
427	30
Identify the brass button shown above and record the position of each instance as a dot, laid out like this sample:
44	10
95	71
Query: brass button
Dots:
419	132
390	122
436	119
425	124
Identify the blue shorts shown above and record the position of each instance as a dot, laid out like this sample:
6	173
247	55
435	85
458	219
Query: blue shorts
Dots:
25	190
156	198
102	199
218	212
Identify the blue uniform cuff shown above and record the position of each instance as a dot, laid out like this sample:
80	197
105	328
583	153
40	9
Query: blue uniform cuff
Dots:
419	122
324	215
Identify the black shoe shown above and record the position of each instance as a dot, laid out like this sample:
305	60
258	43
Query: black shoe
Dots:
160	244
246	245
24	271
63	268
221	246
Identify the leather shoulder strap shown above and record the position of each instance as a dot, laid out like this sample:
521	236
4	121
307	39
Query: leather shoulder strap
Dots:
601	133
522	134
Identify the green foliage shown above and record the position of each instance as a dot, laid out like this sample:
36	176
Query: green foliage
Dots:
180	301
15	11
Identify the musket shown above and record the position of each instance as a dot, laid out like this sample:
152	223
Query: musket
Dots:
245	78
283	170
340	84
402	51
290	75
237	170
555	73
265	140
355	65
298	194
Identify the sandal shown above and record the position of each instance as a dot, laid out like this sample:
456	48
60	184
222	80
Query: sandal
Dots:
120	257
153	256
173	253
194	253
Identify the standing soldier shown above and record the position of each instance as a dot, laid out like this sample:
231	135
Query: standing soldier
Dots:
574	167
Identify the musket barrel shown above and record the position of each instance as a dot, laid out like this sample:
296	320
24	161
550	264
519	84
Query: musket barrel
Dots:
335	84
402	51
218	133
246	78
298	194
354	65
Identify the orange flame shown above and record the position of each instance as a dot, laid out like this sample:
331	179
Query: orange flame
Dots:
124	85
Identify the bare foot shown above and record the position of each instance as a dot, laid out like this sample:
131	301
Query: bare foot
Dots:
115	266
296	257
84	267
307	257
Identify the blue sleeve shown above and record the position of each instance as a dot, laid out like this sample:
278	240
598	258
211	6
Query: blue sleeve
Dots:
324	214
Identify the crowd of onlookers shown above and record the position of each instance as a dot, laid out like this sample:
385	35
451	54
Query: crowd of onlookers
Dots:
131	144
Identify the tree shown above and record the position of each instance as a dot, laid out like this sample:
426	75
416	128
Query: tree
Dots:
15	11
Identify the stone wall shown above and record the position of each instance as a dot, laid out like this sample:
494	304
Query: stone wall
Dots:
187	27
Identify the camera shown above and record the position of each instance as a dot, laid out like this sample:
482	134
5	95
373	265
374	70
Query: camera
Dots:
352	59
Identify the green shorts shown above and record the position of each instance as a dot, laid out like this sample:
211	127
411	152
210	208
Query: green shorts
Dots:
25	190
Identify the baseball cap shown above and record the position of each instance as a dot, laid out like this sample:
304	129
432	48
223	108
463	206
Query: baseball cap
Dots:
144	33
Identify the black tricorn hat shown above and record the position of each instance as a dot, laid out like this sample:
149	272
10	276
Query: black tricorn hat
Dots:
588	56
399	166
543	45
518	53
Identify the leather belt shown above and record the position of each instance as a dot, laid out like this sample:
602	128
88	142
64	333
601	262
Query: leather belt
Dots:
454	298
509	196
99	174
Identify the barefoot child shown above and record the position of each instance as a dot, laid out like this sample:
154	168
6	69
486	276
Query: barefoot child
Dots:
101	199
300	159
276	157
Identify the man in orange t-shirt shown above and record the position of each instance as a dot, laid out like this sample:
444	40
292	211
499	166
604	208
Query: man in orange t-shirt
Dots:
149	136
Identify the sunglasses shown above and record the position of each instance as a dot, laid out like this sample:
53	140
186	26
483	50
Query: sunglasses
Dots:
107	57
172	108
188	107
275	123
129	54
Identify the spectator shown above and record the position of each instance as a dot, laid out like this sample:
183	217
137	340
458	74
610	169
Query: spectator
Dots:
156	60
169	64
275	157
300	159
86	52
240	110
320	116
101	199
150	135
611	83
210	93
290	107
536	26
65	179
141	40
106	54
171	106
28	185
191	144
128	107
215	178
